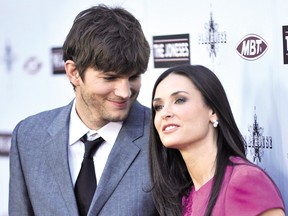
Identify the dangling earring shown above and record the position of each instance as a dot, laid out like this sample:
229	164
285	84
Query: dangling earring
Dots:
215	123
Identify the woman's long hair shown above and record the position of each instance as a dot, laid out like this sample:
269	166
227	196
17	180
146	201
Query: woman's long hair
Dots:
169	175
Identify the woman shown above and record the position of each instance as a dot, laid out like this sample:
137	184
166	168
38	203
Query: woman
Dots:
197	156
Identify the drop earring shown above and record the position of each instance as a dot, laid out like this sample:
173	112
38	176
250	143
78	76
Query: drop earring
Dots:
215	123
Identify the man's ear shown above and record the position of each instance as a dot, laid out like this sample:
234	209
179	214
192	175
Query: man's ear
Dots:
72	72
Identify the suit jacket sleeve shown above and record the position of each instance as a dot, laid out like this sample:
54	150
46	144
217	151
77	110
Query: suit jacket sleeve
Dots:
18	195
40	181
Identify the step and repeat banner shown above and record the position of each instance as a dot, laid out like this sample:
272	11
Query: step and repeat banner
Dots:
244	42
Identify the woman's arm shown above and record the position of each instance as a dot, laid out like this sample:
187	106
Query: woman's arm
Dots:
273	212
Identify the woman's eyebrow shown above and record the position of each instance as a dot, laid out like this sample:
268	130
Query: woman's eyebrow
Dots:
173	94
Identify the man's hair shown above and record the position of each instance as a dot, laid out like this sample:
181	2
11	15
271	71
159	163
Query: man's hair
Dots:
107	39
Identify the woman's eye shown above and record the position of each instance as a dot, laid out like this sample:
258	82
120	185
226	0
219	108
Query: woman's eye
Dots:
157	107
180	100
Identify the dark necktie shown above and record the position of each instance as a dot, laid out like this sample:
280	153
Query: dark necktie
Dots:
86	183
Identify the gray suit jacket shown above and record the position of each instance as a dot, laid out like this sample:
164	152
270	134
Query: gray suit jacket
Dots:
40	181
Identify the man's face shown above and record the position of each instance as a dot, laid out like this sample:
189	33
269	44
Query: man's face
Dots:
103	97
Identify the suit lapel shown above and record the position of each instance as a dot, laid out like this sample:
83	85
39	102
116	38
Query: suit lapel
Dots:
56	149
120	158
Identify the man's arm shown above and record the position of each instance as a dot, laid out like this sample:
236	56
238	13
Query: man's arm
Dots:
19	202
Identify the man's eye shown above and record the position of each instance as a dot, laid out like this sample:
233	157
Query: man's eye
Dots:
109	78
135	77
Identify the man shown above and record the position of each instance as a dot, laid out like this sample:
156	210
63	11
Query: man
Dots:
105	54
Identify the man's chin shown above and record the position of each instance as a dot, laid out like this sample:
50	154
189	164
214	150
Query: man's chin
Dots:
116	115
118	118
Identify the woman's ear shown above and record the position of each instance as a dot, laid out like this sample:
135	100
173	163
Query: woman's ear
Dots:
213	116
72	72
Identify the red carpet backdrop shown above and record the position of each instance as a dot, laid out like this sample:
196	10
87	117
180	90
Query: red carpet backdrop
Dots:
243	42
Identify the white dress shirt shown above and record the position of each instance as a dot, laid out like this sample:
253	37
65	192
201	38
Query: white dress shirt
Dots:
76	148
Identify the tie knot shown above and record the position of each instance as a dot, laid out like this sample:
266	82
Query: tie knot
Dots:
91	146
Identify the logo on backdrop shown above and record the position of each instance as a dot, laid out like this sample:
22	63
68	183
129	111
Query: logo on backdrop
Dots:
171	50
8	57
5	143
256	141
57	61
32	65
285	44
251	47
212	37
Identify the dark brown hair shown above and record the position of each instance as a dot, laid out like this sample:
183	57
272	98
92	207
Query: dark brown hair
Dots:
169	175
107	39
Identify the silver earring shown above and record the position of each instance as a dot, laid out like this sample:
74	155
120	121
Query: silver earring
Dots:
215	123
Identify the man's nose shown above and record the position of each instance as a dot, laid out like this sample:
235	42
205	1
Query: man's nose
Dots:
123	88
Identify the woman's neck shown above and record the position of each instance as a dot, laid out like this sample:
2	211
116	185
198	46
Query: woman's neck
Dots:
201	163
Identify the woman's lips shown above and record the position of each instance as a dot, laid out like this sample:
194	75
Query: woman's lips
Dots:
169	127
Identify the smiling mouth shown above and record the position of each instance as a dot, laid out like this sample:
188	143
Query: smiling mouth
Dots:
169	127
120	104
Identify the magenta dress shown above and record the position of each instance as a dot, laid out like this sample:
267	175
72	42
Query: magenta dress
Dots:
247	191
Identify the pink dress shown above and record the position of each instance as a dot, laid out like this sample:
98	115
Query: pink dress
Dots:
246	191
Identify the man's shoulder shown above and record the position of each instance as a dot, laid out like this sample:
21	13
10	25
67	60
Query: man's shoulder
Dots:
50	113
44	117
138	118
140	107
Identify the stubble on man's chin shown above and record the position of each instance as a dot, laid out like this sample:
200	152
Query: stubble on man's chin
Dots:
118	118
125	116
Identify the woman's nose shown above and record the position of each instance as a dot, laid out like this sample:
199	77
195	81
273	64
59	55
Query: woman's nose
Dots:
166	113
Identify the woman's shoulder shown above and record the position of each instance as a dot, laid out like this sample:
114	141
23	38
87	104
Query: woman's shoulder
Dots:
246	172
250	176
249	189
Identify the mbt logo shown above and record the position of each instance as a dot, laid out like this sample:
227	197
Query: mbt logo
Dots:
252	47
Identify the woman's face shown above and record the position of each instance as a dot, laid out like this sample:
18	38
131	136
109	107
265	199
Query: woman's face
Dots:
181	118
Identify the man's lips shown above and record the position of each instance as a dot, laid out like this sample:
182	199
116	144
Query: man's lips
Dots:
119	103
